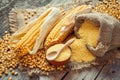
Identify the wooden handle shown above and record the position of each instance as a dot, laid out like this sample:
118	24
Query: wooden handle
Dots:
67	43
54	54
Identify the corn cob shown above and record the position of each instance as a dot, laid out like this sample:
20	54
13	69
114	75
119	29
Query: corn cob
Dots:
23	30
50	21
64	27
28	40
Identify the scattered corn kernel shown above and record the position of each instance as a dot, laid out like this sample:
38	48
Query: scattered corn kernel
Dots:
35	12
16	73
8	58
6	72
25	18
13	72
39	61
10	78
0	75
11	69
109	6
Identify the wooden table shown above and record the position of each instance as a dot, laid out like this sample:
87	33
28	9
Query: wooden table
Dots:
103	72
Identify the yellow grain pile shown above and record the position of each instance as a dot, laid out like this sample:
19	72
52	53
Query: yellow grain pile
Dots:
112	7
39	61
8	59
89	35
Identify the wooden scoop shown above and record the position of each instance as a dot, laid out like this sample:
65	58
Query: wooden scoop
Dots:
54	54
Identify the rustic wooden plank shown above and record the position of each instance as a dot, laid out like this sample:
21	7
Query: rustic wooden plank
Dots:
59	76
85	74
4	77
44	78
24	76
110	72
20	76
34	77
54	2
56	76
2	30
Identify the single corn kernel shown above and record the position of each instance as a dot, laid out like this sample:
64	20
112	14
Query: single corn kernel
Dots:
16	73
6	72
10	78
0	75
13	72
11	69
47	73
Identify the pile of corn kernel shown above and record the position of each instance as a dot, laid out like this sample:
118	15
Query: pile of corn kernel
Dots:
112	7
8	60
39	61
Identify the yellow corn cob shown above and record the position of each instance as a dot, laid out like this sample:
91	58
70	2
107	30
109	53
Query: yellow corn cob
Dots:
28	40
49	23
23	30
63	28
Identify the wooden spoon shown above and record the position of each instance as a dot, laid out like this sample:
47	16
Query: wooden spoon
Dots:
54	54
